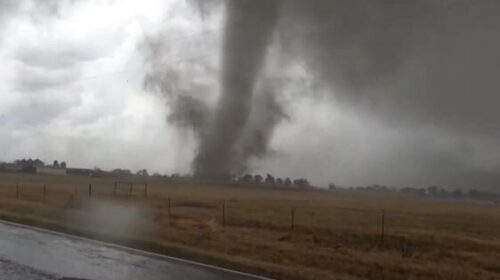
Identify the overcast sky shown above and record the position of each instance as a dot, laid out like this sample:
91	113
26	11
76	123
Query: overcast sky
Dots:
71	89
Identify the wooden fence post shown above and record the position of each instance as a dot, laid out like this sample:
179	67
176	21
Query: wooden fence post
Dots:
90	190
293	219
168	211
223	213
404	249
383	227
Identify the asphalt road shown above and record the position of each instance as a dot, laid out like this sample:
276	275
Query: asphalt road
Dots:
32	254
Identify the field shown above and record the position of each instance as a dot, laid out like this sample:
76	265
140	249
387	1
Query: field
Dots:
286	234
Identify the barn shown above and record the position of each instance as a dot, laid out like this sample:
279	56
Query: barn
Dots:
51	170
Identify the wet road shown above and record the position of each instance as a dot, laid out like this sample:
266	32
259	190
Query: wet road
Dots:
31	254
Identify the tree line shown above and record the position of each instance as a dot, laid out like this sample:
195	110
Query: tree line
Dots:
29	165
431	191
270	180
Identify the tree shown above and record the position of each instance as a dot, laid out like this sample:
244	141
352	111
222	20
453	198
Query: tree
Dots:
38	163
443	193
246	179
301	183
457	193
483	195
63	164
142	172
56	163
288	182
332	187
29	169
432	190
269	180
257	179
279	182
413	191
23	163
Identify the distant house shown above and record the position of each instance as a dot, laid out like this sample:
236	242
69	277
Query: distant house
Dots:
51	170
80	171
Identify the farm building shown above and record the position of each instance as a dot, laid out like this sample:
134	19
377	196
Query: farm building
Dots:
51	170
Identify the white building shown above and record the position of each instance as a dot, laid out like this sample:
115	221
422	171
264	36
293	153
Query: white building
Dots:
51	170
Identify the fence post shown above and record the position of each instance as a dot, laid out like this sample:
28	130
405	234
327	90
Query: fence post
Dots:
404	249
17	191
44	193
223	213
383	227
168	211
293	219
90	190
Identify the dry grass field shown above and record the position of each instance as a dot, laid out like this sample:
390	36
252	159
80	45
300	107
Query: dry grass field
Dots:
334	235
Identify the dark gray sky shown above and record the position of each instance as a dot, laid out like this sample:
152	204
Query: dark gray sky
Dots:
373	93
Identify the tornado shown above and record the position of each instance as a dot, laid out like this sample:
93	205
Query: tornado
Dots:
248	31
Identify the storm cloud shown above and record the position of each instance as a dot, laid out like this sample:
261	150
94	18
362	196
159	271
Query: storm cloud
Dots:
423	61
414	65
